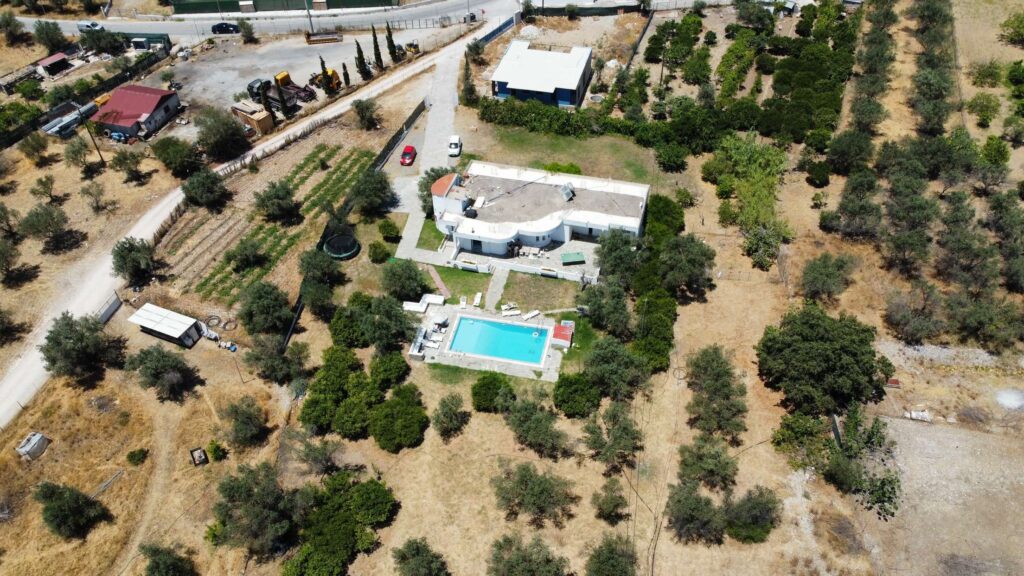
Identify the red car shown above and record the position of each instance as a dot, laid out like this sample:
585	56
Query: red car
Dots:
408	156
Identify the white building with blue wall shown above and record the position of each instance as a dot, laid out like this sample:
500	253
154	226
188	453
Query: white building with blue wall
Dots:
557	78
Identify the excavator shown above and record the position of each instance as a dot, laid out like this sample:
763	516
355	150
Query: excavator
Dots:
302	93
332	83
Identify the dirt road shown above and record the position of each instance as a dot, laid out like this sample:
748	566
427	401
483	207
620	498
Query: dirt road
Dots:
92	281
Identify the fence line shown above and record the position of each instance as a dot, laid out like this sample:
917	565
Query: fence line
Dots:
684	4
636	45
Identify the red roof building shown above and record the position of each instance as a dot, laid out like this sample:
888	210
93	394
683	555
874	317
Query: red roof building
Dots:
442	185
561	336
134	109
53	65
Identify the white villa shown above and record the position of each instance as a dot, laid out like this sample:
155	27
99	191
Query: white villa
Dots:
495	210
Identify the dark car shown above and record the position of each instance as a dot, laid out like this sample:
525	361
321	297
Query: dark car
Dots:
226	28
408	156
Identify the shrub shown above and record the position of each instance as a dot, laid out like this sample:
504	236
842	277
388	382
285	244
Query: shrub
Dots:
277	203
575	395
542	496
379	252
265	309
826	276
389	230
817	174
614	556
511	556
671	157
416	558
986	74
388	369
610	503
206	188
403	280
693	517
449	418
179	156
489	391
685	198
165	371
216	451
221	135
248	423
366	111
752	518
1012	29
166	562
137	457
69	513
985	106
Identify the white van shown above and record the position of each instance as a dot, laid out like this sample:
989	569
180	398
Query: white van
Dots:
88	26
454	146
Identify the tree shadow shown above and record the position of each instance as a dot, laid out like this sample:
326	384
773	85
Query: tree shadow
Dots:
8	188
139	178
20	275
93	169
45	160
14	333
58	199
65	241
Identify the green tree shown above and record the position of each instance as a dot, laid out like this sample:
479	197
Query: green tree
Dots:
273	362
469	95
378	60
752	518
30	89
616	254
392	47
68	512
277	203
265	309
9	219
34	146
424	184
246	255
128	162
685	265
449	418
12	28
693	517
344	75
366	112
1012	29
533	426
49	224
361	66
543	496
372	195
76	152
254	512
179	156
9	255
47	33
403	280
43	189
164	371
248	34
607	308
615	440
614	556
610	503
614	370
717	406
915	316
134	260
985	106
77	347
399	422
849	150
575	395
821	364
221	135
826	276
415	557
511	556
707	461
488	390
206	188
163	561
248	422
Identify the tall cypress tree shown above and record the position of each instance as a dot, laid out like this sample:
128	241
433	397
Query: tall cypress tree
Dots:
345	76
361	67
469	95
392	50
325	80
377	58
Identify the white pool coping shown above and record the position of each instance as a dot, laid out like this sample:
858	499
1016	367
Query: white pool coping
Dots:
544	351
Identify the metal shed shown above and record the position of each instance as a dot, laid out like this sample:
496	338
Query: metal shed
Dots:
33	446
167	324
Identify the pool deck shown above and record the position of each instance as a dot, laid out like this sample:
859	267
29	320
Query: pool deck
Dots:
548	370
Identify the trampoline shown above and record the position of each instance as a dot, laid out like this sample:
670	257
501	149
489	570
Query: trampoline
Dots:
342	246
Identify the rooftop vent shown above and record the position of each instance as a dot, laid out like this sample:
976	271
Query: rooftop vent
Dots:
470	213
567	191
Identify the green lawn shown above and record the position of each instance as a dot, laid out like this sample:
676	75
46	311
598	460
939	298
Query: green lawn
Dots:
463	283
533	292
446	374
430	237
609	156
582	341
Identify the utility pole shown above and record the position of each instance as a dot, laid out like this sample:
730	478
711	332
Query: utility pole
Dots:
88	128
310	16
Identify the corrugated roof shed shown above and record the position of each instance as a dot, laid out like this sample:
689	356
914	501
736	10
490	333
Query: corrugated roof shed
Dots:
162	320
49	60
540	70
130	104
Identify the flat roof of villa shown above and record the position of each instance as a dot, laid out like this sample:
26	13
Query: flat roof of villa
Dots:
541	70
514	194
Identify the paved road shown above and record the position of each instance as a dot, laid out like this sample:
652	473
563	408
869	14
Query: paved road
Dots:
93	279
195	27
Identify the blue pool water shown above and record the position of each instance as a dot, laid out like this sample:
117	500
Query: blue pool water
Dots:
500	340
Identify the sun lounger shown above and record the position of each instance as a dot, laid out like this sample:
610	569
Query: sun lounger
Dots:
531	314
510	313
507	307
434	345
476	299
435	337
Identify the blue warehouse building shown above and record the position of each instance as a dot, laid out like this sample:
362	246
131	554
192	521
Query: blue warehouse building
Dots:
556	78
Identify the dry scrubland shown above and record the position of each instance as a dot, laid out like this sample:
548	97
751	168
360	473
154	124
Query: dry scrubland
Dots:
962	491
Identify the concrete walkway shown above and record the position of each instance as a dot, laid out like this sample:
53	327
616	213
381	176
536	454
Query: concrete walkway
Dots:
496	288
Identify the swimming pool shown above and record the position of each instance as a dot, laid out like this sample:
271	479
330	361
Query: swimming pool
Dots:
507	341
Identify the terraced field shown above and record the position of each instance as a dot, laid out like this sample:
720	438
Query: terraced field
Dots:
195	246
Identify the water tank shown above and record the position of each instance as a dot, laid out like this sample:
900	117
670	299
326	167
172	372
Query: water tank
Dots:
567	191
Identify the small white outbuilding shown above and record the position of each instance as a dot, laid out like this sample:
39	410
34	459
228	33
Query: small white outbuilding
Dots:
167	324
33	446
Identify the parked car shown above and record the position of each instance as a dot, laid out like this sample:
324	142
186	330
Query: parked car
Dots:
454	146
226	28
88	26
408	156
